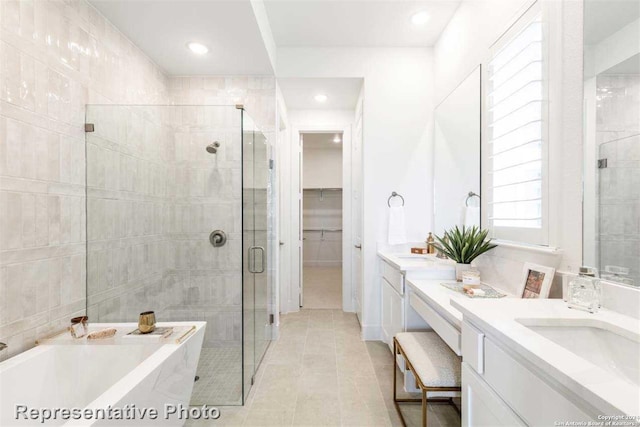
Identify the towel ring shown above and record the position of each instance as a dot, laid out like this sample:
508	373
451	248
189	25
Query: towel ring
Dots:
470	195
394	194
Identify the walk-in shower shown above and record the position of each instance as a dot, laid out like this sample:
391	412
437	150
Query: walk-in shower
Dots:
173	229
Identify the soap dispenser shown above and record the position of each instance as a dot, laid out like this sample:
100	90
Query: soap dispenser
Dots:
585	291
431	249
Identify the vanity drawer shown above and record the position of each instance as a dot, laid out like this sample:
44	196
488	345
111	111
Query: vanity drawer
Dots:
394	277
473	347
447	332
506	376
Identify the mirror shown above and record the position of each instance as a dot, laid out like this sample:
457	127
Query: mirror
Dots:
457	157
612	139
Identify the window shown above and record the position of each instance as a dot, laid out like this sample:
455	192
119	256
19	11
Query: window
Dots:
514	149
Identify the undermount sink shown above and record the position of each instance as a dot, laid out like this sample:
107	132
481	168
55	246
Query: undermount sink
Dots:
613	349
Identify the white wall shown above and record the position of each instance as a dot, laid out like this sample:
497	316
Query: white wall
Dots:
322	167
618	47
465	43
56	57
398	106
285	295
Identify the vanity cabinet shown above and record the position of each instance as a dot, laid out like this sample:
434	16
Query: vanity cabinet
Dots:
397	313
499	388
392	313
393	289
482	407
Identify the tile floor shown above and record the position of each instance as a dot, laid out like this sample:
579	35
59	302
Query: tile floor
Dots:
322	287
319	373
220	377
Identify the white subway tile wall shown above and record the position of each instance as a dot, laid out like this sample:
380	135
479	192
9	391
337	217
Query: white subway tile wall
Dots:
55	58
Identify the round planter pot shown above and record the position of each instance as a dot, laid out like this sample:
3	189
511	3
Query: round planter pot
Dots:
461	268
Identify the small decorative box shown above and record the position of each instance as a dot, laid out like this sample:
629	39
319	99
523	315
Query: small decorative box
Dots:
421	251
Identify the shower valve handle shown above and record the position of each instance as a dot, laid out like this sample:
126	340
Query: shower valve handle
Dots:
218	238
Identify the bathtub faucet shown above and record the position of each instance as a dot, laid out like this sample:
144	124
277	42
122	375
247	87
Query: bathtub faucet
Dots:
3	346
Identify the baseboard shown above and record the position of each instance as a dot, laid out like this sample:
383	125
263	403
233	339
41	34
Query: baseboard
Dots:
371	333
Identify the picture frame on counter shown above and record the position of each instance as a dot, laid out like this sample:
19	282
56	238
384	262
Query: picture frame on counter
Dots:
536	281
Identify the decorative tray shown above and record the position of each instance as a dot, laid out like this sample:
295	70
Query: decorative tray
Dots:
159	332
489	292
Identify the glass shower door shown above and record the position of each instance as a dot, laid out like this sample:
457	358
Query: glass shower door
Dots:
618	232
255	292
262	289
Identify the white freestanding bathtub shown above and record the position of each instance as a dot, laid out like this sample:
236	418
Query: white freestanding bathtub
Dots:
116	381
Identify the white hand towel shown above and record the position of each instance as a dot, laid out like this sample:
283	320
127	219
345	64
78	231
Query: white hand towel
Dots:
397	230
472	216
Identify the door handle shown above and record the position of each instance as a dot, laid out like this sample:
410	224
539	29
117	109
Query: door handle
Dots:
358	246
262	259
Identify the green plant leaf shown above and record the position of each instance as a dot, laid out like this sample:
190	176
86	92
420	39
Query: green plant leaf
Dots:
463	245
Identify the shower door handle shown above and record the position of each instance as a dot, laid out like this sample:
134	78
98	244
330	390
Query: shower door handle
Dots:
252	250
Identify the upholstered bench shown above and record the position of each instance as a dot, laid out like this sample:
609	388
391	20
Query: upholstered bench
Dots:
434	365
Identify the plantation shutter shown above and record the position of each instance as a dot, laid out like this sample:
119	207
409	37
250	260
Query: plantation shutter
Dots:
515	150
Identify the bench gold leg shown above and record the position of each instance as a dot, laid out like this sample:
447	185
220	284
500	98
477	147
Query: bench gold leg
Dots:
424	389
424	408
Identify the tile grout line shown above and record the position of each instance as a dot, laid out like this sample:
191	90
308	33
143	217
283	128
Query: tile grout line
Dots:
304	349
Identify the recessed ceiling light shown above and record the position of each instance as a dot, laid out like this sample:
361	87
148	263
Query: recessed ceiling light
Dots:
197	48
320	97
419	18
337	139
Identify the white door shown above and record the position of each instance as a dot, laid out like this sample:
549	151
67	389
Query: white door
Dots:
300	224
356	213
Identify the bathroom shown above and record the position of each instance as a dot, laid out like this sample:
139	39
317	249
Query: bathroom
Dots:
152	159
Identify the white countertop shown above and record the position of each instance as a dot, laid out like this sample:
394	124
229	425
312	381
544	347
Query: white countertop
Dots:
411	262
604	391
440	298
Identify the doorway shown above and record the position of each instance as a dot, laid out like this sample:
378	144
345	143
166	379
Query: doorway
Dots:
322	213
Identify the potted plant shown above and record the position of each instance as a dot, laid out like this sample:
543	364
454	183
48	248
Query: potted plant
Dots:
463	246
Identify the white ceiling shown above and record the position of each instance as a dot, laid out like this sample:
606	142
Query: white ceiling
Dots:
602	18
321	141
299	93
162	29
629	66
357	22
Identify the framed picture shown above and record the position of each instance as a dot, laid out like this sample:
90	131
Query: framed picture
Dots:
536	281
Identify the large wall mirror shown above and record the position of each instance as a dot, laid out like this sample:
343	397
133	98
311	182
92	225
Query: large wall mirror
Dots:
457	157
612	139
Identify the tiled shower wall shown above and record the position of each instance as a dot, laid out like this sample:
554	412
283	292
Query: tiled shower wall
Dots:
55	57
618	139
130	189
208	198
212	279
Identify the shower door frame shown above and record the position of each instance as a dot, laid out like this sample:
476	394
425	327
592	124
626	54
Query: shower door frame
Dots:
256	361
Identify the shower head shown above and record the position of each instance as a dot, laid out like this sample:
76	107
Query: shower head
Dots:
213	147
